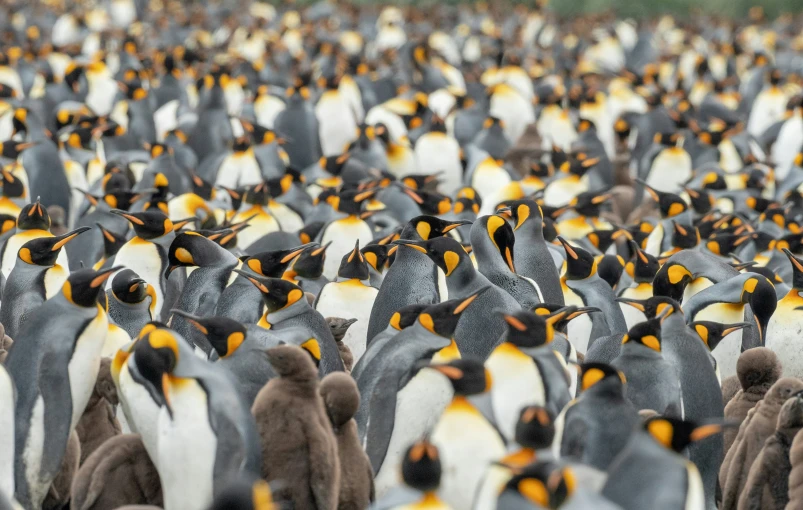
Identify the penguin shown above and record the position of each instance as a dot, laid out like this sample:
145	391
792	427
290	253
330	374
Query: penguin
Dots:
342	399
479	332
33	221
643	268
201	417
350	296
343	233
312	480
668	166
336	121
299	124
652	382
54	367
532	256
413	277
652	467
402	390
243	494
35	278
782	327
307	269
131	302
687	272
582	286
493	243
421	472
401	320
437	151
8	401
377	257
595	428
673	209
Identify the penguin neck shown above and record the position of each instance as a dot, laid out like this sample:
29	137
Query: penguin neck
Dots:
636	350
460	403
462	275
489	259
610	386
520	458
287	312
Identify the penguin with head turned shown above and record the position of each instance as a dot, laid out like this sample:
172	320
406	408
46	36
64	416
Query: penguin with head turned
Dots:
688	272
643	267
421	472
131	302
413	277
35	278
402	319
307	269
344	232
54	366
481	330
33	222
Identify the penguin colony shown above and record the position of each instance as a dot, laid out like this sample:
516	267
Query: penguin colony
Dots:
469	258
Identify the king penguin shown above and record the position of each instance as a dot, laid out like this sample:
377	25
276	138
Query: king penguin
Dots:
344	232
784	326
131	302
33	221
642	270
54	366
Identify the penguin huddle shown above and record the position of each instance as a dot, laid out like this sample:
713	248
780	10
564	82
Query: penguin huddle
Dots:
266	257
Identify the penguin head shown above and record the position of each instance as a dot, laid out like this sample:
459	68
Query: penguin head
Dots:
426	227
309	263
441	319
292	362
671	280
797	269
12	187
7	222
353	265
310	231
190	249
83	286
155	356
245	495
203	188
430	202
579	263
467	375
376	255
274	263
675	434
445	252
277	294
535	428
568	313
610	268
684	236
419	182
724	244
341	397
712	333
577	167
147	224
112	242
349	201
279	186
604	239
656	306
501	235
527	329
258	194
532	483
670	204
593	374
421	467
11	150
644	265
43	251
647	334
235	196
226	335
129	288
406	316
33	217
701	200
521	211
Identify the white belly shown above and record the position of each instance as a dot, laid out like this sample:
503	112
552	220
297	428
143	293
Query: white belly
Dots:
85	363
729	158
516	383
579	329
288	219
141	413
670	170
560	192
349	300
418	407
259	226
54	280
32	453
655	240
436	152
336	124
695	495
239	169
783	336
632	315
492	484
695	287
489	180
267	108
403	163
102	91
786	147
187	448
143	258
116	338
343	234
728	351
7	406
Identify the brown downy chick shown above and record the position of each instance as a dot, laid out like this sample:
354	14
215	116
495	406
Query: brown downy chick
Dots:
98	422
339	327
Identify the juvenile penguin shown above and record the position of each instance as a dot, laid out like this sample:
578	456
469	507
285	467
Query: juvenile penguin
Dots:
652	382
342	399
54	367
595	428
467	441
795	480
481	330
131	302
350	296
413	277
339	329
312	480
492	243
35	278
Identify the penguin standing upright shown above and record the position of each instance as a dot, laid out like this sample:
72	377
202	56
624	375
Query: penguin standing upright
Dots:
54	367
336	121
344	232
782	329
436	151
33	221
298	123
643	268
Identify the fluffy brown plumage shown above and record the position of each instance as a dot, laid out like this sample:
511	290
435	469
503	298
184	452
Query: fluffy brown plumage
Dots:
299	447
59	493
342	399
98	423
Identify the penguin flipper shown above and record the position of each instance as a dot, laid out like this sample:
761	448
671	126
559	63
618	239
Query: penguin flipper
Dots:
575	437
58	404
382	417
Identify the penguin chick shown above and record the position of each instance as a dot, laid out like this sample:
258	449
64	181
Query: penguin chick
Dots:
342	399
339	328
730	387
768	481
796	474
119	472
59	493
98	423
754	431
757	370
312	481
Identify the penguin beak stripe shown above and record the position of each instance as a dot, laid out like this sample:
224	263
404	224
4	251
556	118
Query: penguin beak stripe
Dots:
133	219
99	280
450	372
198	326
64	241
258	285
515	323
415	247
730	330
462	306
570	251
705	431
638	306
290	256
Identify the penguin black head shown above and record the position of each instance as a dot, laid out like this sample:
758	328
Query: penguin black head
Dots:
349	201
190	249
669	204
723	244
155	355
235	195
531	483
112	242
501	234
33	217
610	268
406	316
578	167
445	252
592	374
12	187
225	334
671	280
521	211
527	329
426	227
590	203
432	202
712	333
11	150
656	306
468	376
797	269
376	255
647	333
421	467
274	263
353	265
202	188
676	434
644	265
7	222
129	288
43	251
83	286
258	194
245	495
535	428
419	182
148	224
334	164
310	231
579	263
571	312
684	236
603	239
309	263
279	185
701	200
441	319
470	193
276	293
